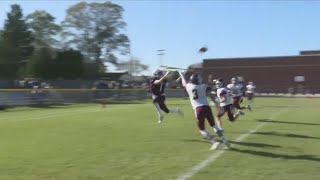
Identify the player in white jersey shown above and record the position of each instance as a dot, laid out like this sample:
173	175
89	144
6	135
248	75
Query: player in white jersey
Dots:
226	105
198	97
213	95
237	93
251	89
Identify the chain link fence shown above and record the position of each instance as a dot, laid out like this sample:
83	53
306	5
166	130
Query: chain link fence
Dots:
19	97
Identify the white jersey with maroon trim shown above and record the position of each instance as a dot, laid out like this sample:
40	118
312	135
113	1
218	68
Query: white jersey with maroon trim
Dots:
236	89
251	89
224	96
197	94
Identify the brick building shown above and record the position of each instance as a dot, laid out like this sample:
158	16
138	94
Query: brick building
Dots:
271	74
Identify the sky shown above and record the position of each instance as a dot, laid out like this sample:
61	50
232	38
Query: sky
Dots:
227	28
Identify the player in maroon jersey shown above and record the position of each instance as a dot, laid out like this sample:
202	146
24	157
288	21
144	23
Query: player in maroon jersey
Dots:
157	88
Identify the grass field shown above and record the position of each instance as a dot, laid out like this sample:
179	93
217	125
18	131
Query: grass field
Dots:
124	141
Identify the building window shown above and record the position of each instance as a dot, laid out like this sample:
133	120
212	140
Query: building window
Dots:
299	79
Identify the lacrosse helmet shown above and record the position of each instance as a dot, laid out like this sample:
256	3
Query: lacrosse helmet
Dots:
195	79
218	83
157	73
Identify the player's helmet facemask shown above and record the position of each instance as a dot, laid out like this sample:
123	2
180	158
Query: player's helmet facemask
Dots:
195	79
234	80
218	83
158	73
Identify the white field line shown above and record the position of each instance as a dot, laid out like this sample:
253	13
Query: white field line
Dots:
195	169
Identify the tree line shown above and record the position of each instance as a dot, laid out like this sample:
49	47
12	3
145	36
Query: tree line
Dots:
90	35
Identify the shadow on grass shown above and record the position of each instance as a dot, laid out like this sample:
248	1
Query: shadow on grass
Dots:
255	144
234	142
286	135
197	140
286	122
274	155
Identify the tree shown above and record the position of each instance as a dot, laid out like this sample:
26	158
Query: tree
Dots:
16	48
66	64
133	66
40	64
43	28
1	37
96	29
69	64
91	70
1	58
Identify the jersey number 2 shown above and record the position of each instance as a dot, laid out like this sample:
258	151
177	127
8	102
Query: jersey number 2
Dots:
195	94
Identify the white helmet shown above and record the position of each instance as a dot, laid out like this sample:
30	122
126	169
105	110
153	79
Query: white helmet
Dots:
195	79
251	83
216	80
218	83
233	80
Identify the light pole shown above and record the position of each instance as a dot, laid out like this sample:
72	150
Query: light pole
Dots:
160	53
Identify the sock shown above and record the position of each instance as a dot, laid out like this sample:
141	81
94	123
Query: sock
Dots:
215	128
159	112
207	135
218	131
160	118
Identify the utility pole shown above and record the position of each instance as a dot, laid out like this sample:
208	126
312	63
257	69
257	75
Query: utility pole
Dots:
160	53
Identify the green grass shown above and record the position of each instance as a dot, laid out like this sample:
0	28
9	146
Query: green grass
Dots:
124	141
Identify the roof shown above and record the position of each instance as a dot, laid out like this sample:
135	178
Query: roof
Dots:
263	62
195	66
262	57
128	77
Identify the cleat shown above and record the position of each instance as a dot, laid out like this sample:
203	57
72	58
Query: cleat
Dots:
240	112
224	140
236	116
160	120
220	133
249	107
214	145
